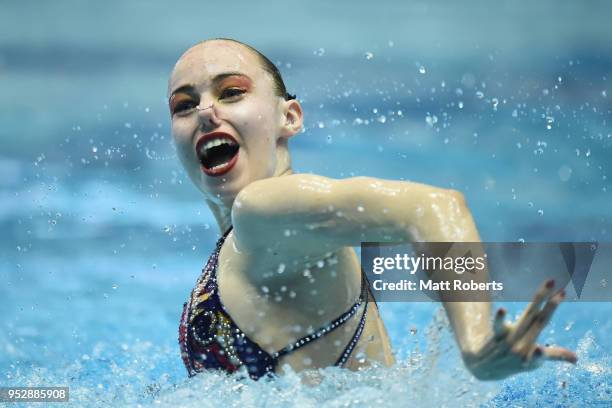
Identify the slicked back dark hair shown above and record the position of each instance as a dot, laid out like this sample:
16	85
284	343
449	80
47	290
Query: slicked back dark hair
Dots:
268	66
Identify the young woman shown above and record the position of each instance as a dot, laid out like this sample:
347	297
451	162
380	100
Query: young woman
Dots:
283	285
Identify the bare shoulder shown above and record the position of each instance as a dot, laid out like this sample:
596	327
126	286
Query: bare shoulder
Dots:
282	215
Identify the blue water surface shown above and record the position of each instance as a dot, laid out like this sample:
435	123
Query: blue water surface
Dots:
104	236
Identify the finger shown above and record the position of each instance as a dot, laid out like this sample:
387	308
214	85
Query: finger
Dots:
499	325
540	321
551	306
560	354
534	358
531	311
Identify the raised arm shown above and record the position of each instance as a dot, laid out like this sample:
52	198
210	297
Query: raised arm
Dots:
312	214
309	215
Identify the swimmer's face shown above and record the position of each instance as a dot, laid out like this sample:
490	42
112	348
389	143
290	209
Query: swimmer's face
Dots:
227	121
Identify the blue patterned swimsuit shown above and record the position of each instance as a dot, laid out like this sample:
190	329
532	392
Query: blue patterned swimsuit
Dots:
209	338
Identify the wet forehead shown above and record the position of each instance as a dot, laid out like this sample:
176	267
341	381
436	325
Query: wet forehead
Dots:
198	65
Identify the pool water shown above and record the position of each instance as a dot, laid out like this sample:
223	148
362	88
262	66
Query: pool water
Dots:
104	236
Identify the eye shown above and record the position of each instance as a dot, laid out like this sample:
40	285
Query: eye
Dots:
182	105
231	93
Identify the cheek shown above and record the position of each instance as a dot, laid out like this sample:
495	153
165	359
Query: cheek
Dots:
182	131
251	118
182	136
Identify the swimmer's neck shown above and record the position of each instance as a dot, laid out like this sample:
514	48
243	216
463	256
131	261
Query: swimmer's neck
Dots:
222	211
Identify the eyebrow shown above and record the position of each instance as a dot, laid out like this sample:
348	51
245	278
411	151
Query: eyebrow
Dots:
189	88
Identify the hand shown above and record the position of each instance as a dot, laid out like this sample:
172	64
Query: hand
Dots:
512	348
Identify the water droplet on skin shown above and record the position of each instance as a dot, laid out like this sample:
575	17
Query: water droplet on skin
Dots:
361	358
265	289
422	70
280	269
515	113
292	295
460	104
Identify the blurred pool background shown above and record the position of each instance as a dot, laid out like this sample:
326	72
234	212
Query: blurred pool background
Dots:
103	236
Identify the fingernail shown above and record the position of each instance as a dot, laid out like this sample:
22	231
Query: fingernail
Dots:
538	352
550	284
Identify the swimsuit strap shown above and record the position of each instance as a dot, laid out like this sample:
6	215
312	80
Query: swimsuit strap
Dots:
363	297
339	321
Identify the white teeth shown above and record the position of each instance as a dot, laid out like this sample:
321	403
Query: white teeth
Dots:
217	142
218	166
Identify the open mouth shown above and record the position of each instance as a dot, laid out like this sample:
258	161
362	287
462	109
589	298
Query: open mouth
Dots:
217	153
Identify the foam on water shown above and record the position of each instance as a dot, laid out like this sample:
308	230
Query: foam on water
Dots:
428	373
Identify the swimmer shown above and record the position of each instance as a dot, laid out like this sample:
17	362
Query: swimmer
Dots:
284	285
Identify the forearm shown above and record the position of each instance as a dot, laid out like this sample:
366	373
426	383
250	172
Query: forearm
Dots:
470	321
443	216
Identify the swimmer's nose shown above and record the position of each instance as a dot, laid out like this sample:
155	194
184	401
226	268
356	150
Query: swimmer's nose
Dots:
208	117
